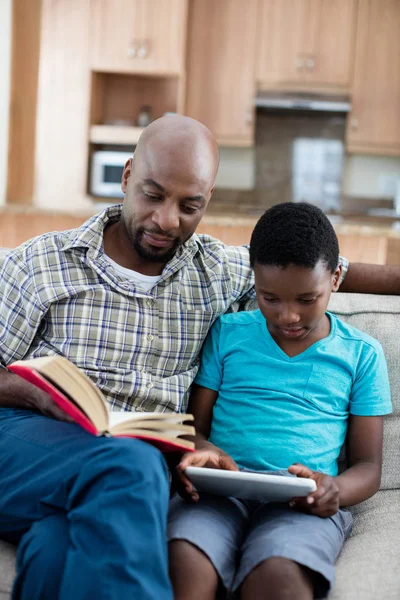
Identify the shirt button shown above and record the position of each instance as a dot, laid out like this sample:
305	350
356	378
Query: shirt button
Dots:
149	385
150	337
143	371
149	302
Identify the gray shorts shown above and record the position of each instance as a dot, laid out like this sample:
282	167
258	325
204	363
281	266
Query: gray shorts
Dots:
237	535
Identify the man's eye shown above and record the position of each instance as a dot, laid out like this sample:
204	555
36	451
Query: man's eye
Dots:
151	197
271	300
190	210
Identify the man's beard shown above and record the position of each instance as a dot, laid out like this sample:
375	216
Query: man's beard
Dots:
153	254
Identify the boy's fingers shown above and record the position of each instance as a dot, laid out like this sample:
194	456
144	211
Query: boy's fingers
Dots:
300	470
184	462
300	504
197	459
228	464
330	497
184	479
319	492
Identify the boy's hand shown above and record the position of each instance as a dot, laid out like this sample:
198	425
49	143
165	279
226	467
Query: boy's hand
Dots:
211	458
324	502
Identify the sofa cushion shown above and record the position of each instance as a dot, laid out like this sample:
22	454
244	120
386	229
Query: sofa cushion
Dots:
368	565
7	569
380	317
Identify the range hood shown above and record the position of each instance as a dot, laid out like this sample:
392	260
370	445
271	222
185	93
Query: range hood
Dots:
302	101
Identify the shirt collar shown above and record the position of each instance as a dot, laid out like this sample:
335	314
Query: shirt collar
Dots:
90	234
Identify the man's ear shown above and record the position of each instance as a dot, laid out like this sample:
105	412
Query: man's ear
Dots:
336	278
126	173
210	194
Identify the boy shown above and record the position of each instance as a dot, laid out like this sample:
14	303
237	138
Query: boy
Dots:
281	388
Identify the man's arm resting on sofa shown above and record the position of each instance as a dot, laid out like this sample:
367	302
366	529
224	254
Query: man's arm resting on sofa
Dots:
15	392
372	279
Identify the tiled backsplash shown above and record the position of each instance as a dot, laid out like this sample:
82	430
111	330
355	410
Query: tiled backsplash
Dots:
363	176
299	156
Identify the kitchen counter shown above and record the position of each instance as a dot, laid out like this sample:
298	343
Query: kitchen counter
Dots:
231	217
245	207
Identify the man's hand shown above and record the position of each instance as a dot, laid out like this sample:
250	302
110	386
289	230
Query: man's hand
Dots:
211	458
15	392
48	407
324	502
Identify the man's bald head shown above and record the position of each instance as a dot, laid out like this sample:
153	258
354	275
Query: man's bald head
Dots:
168	185
181	141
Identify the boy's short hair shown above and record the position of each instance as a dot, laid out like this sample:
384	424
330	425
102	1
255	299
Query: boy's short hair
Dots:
294	233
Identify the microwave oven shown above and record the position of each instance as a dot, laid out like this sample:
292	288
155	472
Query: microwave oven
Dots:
106	173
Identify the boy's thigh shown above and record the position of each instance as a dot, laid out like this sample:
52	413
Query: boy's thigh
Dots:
280	531
215	525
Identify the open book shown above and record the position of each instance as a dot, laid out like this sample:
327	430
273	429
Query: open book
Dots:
77	395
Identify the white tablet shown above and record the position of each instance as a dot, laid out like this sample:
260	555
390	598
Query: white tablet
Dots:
254	486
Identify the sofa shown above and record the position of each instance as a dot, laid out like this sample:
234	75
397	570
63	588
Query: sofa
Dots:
369	565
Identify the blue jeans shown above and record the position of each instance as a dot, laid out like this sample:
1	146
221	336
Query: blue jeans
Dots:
89	513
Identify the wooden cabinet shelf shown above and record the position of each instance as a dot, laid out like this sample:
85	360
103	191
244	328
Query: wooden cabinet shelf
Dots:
373	127
306	44
138	36
220	68
113	134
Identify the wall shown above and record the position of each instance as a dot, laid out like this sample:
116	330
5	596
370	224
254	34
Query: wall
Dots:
5	60
370	176
236	169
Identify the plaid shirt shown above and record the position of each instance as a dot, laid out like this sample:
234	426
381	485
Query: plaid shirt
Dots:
59	295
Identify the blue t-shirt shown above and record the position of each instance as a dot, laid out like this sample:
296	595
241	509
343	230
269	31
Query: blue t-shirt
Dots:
273	410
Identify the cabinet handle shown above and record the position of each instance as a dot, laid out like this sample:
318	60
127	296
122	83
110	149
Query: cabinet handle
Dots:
249	117
299	63
132	51
310	63
354	123
143	50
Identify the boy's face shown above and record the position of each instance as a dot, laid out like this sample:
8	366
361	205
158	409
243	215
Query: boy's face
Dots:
294	299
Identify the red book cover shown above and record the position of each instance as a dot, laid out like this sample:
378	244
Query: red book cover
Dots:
69	407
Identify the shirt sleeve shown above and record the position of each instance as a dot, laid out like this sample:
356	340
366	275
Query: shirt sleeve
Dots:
211	367
345	267
370	394
21	311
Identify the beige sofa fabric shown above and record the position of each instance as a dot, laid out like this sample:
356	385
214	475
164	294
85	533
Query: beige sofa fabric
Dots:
380	317
369	565
7	569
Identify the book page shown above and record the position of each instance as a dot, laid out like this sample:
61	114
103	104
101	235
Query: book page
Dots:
115	418
166	419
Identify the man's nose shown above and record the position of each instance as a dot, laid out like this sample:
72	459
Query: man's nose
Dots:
166	218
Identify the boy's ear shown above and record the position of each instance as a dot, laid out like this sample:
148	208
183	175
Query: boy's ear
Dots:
336	281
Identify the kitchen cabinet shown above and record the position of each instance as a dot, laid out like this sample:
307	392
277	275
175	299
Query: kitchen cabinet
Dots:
306	44
221	68
374	122
138	36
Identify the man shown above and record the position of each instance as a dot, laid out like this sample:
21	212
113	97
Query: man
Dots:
129	297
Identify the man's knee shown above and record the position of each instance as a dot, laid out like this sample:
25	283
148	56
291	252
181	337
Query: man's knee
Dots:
130	461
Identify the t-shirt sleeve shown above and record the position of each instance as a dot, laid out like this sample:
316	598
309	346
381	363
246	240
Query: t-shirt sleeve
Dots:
370	394
211	368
